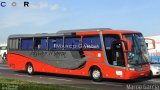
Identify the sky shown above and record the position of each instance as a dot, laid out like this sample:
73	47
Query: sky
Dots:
50	16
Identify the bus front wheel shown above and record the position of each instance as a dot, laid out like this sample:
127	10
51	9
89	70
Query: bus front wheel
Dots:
96	74
150	76
30	69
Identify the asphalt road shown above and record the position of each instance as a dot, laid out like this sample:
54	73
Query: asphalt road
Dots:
75	81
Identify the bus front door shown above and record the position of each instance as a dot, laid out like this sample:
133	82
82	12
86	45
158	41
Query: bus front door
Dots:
115	56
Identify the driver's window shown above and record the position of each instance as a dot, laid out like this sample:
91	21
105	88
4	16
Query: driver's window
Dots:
114	50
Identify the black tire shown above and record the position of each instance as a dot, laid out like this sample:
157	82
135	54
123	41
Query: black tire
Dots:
30	69
150	76
96	74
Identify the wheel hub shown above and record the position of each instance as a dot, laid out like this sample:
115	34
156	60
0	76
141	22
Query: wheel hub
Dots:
30	69
96	74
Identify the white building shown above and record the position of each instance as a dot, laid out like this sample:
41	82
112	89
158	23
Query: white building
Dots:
154	53
3	48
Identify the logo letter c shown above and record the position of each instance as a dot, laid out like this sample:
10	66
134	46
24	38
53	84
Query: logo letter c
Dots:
3	4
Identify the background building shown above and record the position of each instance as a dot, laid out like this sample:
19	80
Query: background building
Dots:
3	48
154	53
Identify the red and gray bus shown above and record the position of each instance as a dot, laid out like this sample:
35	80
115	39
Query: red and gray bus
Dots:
97	53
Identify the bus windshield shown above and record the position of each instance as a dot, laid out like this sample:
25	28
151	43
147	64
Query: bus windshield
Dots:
139	52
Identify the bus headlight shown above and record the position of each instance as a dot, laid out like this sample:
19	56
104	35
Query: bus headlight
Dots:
132	68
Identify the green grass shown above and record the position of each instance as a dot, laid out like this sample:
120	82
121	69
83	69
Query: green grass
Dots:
14	84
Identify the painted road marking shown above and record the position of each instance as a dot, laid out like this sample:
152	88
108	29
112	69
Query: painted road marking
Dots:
98	83
154	80
22	75
40	77
107	84
60	79
4	65
3	68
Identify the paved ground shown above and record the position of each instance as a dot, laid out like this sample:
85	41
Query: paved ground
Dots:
75	81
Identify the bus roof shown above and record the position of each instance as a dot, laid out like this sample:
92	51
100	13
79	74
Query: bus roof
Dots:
83	30
90	31
36	35
96	31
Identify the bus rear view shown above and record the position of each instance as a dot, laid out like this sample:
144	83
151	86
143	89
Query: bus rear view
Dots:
97	53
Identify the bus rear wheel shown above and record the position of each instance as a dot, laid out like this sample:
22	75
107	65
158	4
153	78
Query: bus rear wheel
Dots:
96	74
30	69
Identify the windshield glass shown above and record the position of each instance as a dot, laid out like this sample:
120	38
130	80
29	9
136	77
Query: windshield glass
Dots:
139	49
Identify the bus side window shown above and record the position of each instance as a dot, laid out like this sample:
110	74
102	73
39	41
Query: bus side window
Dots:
40	44
72	43
26	43
91	43
55	43
14	44
51	43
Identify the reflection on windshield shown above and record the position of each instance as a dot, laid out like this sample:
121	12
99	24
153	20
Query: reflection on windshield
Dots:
143	47
141	44
139	48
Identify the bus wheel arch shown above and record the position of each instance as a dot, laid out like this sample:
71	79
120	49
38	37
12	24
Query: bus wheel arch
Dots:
95	73
29	68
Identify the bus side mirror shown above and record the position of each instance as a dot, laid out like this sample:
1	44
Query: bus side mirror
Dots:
150	43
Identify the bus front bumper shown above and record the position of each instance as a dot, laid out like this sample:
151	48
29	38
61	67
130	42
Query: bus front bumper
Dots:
136	74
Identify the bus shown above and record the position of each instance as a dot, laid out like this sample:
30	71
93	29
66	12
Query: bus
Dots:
3	49
97	53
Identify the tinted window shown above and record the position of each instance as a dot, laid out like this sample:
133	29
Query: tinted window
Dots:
40	43
13	43
72	43
27	44
91	42
55	43
109	39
